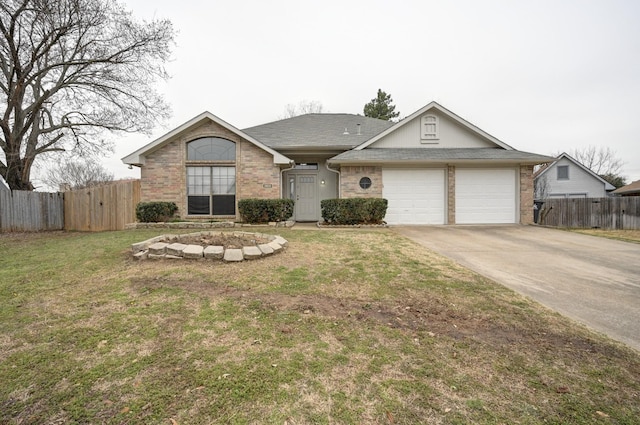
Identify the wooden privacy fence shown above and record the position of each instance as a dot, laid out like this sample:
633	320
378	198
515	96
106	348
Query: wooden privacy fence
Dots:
25	211
108	207
587	213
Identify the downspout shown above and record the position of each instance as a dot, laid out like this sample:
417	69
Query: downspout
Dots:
292	166
326	164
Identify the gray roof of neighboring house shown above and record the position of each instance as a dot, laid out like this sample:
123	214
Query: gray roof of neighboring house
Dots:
318	130
438	155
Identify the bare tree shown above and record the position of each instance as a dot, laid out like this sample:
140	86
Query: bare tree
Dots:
304	107
77	174
602	161
541	189
70	69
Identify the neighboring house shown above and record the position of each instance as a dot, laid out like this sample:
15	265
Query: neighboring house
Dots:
433	167
567	178
632	189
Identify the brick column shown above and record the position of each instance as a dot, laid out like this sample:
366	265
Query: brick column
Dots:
526	194
451	194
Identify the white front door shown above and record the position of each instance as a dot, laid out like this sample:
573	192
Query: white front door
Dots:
306	197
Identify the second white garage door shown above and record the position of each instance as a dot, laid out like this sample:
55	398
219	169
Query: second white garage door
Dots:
415	196
485	196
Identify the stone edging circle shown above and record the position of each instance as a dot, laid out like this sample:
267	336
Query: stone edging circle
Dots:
170	247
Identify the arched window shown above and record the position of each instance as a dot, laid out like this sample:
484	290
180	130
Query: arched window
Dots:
211	183
211	149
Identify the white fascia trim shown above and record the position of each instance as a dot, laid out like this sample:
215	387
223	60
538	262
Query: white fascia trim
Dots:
137	157
440	108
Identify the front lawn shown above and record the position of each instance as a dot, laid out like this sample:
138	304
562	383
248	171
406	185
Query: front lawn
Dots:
344	327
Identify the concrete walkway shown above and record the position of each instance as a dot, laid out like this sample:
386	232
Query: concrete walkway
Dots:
593	280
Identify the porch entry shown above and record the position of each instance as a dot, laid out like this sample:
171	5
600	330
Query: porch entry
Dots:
304	191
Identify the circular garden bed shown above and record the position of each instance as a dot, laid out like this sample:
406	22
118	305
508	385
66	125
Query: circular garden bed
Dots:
223	246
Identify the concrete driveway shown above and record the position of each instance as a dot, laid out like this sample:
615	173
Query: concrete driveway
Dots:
593	280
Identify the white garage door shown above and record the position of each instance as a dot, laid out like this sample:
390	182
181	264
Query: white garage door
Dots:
485	196
415	196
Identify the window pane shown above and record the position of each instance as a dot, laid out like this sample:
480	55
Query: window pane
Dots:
198	180
224	180
563	172
224	205
211	149
305	166
198	205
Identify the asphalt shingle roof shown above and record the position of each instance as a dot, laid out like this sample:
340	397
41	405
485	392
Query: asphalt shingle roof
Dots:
633	187
318	130
437	155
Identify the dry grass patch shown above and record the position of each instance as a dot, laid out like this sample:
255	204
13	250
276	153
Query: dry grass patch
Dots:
343	327
622	235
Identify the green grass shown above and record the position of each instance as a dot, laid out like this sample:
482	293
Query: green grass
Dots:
343	327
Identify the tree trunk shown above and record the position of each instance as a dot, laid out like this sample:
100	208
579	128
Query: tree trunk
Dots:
15	173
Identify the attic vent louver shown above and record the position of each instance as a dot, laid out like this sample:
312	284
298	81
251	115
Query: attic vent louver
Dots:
346	132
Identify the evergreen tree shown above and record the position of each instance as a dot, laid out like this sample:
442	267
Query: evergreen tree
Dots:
381	107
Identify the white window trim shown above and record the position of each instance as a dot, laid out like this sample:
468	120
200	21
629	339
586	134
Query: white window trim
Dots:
429	137
558	173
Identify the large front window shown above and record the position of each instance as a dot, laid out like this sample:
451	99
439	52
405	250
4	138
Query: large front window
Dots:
211	177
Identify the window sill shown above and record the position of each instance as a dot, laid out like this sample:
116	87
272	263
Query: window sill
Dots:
210	217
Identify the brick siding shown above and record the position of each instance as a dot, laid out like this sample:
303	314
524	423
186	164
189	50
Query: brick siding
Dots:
163	176
526	194
350	182
451	194
257	175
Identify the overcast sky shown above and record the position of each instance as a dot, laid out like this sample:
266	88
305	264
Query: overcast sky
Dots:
542	76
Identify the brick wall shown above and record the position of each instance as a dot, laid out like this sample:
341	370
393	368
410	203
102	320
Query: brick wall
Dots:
257	176
526	194
163	176
451	194
350	182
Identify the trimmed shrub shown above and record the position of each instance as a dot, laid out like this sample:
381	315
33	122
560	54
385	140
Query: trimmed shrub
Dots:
354	210
255	210
154	212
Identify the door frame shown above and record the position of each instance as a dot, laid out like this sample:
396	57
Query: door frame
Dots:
292	192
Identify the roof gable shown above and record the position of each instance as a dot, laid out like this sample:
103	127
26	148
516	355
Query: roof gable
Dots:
137	157
434	106
607	186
